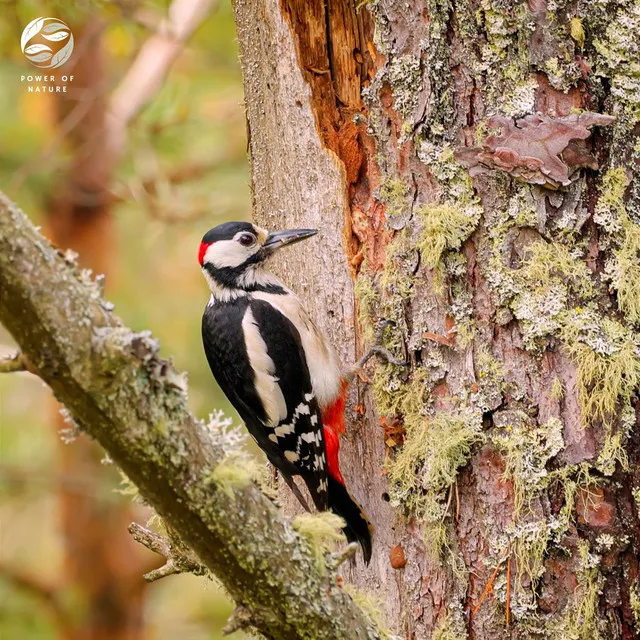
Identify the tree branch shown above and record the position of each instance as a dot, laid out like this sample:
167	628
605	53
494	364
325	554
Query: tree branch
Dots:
179	559
16	362
147	72
240	619
134	404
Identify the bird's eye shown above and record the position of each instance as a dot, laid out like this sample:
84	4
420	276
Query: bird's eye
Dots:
246	239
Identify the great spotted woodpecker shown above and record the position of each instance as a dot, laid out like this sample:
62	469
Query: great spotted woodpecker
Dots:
276	367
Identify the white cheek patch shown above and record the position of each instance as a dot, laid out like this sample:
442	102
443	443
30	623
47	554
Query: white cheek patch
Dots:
228	253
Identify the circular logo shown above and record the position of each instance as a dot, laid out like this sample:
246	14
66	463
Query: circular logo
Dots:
47	43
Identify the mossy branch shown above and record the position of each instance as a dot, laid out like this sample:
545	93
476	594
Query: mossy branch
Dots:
12	364
133	403
179	559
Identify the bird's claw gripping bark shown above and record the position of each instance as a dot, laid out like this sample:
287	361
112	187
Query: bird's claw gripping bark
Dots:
377	350
343	555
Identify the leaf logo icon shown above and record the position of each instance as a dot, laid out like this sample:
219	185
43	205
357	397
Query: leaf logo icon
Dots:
47	43
37	48
55	37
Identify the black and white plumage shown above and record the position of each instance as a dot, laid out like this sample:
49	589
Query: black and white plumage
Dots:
269	385
274	365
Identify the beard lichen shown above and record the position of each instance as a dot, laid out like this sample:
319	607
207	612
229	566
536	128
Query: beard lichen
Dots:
581	620
526	449
529	544
623	269
424	469
368	300
236	471
557	389
610	208
447	224
394	193
444	227
553	295
451	627
410	399
607	358
389	294
549	281
373	609
321	531
625	276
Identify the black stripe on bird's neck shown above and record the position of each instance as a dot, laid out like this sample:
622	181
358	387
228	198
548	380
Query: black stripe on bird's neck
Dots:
233	278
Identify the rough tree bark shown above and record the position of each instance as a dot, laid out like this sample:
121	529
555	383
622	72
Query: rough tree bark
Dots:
501	470
194	475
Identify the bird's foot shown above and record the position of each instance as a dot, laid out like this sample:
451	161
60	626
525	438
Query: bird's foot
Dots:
377	350
344	554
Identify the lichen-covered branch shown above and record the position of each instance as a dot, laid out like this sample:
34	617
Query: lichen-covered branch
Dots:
14	363
179	558
121	393
240	619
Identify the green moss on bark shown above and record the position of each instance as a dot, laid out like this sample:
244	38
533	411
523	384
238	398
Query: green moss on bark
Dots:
581	620
443	227
424	469
237	471
606	356
322	531
623	235
373	609
451	627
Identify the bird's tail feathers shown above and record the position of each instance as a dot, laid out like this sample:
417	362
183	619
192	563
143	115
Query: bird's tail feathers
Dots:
338	499
358	527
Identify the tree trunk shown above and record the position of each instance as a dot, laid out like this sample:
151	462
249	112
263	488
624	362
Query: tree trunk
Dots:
102	563
500	468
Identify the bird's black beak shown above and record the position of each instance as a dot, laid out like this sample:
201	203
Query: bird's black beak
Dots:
278	239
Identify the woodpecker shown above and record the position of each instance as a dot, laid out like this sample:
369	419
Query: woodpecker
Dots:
276	367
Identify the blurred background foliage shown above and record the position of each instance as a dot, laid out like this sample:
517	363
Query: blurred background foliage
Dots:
194	126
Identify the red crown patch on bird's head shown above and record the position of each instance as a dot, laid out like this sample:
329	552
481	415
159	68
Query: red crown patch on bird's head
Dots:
203	249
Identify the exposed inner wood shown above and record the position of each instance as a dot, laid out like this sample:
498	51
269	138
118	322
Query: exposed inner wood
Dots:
334	49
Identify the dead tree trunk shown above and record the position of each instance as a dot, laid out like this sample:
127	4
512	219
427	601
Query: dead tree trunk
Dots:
501	469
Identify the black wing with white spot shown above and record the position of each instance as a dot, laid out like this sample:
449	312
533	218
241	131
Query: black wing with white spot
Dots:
256	356
298	435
